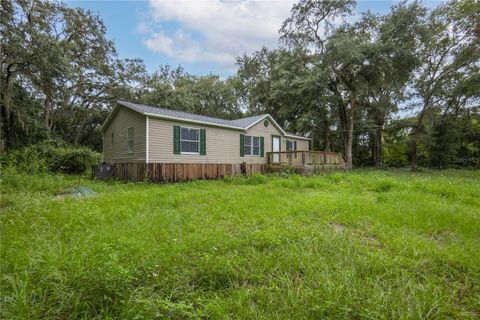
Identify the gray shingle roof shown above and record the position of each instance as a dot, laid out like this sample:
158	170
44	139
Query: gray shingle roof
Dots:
246	122
240	124
143	109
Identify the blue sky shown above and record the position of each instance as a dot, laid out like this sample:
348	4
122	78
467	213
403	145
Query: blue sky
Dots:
202	36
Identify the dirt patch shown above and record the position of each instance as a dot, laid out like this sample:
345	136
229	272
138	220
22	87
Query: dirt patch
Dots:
371	240
337	227
5	204
443	237
364	236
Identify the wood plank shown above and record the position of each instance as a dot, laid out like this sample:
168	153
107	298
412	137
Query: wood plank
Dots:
172	172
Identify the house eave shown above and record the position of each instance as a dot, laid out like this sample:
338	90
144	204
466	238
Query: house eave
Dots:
209	124
297	137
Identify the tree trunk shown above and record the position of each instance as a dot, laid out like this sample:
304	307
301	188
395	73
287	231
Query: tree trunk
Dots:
47	107
416	133
5	121
378	148
372	138
326	140
349	141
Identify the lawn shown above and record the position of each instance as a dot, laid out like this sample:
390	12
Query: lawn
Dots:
366	244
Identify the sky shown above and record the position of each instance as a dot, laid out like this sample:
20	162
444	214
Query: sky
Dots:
203	37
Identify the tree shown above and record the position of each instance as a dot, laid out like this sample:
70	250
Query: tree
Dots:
283	84
311	22
310	27
451	45
395	37
22	50
61	56
172	88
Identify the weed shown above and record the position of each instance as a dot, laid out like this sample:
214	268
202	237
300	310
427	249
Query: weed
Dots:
266	246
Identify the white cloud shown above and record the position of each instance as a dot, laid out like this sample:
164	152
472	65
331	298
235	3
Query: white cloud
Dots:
143	28
214	31
182	47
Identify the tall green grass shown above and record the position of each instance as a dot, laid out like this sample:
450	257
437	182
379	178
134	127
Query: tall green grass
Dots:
367	244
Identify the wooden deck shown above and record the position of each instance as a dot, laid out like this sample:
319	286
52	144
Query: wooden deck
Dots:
306	161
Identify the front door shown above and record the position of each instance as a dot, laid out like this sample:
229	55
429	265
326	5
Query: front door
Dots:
276	148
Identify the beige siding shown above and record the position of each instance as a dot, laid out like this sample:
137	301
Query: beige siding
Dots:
222	145
302	145
259	130
118	152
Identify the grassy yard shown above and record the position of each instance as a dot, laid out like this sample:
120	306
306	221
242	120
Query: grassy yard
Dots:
367	244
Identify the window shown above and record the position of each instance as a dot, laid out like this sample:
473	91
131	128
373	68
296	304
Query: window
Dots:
256	146
189	140
291	145
252	146
113	139
130	139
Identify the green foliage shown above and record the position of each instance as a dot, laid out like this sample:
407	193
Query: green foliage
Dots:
396	149
50	156
206	95
290	247
253	179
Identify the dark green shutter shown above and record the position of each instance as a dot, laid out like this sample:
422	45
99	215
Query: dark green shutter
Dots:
242	147
288	145
261	147
176	139
203	147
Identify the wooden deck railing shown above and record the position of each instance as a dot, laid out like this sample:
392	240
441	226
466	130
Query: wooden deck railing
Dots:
305	158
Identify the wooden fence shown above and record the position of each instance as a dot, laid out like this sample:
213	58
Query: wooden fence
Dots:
173	172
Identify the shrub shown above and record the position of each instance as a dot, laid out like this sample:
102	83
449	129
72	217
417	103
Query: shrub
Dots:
74	160
50	156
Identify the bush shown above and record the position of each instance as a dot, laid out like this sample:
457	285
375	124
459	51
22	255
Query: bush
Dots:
50	156
74	160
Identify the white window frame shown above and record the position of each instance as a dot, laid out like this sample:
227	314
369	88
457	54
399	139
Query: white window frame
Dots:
130	139
198	141
252	146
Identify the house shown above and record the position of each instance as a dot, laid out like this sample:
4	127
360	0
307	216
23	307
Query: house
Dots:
134	133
